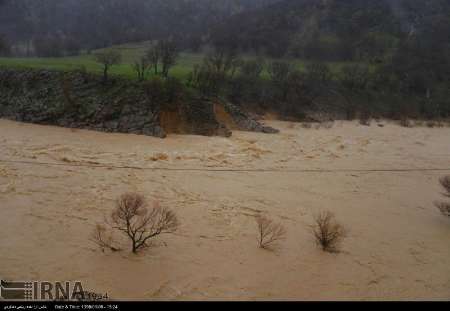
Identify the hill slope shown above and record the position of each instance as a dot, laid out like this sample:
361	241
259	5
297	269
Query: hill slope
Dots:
94	24
331	29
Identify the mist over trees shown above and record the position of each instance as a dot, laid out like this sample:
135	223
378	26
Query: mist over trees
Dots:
5	49
398	54
393	55
332	30
87	24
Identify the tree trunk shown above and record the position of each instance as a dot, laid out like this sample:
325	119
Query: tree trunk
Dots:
105	74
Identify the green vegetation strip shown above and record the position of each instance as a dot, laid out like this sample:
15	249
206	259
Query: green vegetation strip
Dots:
130	53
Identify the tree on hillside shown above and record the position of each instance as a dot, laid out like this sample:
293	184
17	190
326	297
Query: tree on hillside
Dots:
164	53
223	61
48	46
169	54
302	91
108	59
142	67
5	49
218	67
280	74
252	68
247	86
153	56
353	86
279	71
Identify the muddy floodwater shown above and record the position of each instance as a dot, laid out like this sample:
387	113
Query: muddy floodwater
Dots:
397	246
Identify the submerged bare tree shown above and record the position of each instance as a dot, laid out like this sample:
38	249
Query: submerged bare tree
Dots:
444	207
445	183
139	223
328	232
103	238
270	234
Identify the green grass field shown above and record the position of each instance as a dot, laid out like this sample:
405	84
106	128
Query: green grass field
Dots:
130	53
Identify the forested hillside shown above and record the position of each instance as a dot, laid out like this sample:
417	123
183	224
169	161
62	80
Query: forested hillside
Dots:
398	55
67	26
393	56
311	29
335	29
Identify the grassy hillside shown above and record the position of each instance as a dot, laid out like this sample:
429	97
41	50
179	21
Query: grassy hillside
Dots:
130	52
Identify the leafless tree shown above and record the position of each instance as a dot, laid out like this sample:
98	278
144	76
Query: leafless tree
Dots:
169	54
108	59
270	234
164	53
327	232
219	66
139	223
445	182
443	206
5	48
222	61
279	71
142	68
153	56
103	239
252	68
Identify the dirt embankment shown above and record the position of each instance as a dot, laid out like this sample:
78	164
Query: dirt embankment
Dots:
80	100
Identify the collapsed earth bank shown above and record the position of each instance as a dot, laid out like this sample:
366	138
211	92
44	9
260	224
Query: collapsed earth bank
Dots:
78	99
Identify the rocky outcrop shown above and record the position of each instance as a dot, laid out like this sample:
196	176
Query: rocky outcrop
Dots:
200	116
77	100
245	122
80	100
